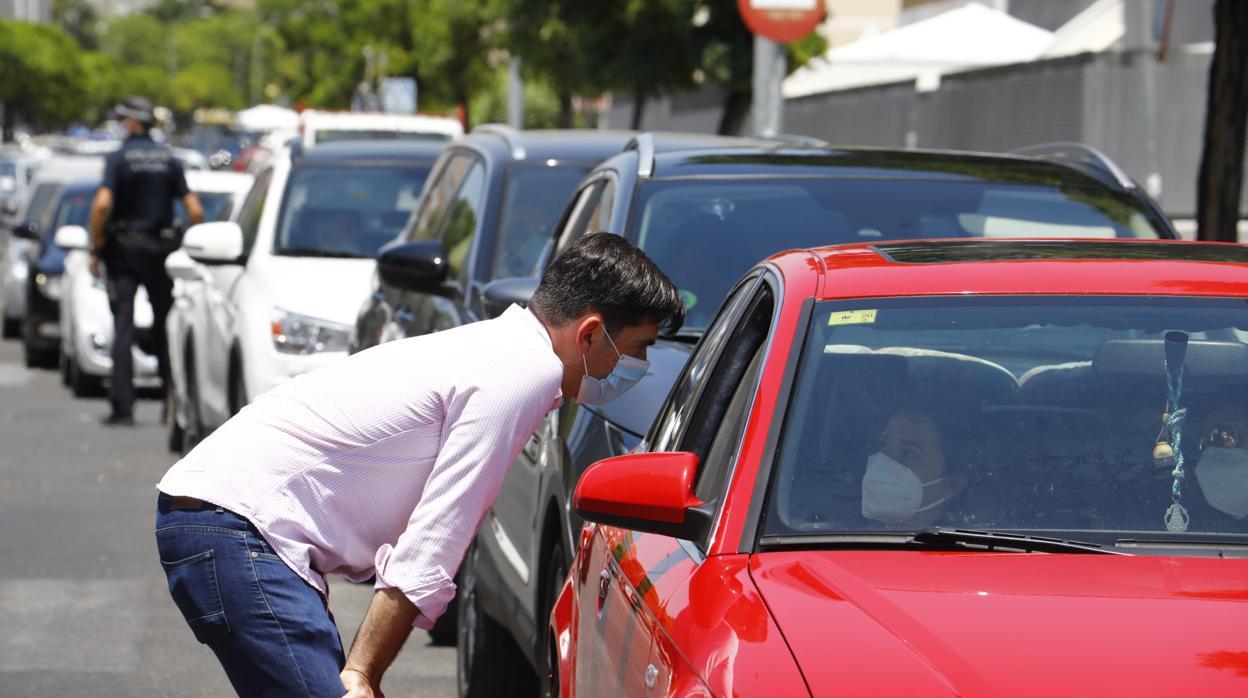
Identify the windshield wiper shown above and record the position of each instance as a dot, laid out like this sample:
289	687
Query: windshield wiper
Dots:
1000	540
316	252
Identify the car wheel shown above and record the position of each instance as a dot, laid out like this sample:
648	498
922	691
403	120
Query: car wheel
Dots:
193	430
64	365
81	384
487	662
555	571
444	632
174	430
238	388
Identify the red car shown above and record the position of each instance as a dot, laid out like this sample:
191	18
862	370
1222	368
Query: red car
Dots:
937	468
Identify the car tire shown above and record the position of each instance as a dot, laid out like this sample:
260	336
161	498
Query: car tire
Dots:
81	384
63	362
444	632
553	574
193	430
487	661
238	388
174	431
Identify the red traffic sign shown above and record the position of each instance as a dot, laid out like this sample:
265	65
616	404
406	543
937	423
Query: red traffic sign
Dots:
782	20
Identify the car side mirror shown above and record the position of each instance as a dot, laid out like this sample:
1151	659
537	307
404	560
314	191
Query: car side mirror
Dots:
179	265
27	231
503	293
72	237
219	242
419	266
649	492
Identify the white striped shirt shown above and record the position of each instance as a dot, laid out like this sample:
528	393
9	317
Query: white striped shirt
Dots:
385	462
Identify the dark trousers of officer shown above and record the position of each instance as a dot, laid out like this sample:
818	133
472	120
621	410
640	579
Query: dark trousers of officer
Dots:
126	271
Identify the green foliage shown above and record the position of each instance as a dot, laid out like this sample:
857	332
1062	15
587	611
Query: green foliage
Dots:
137	40
42	77
541	104
204	85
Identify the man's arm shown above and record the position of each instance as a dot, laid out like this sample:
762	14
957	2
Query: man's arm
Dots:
386	626
101	206
194	209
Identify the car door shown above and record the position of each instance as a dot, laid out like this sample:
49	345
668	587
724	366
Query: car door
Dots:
217	321
695	600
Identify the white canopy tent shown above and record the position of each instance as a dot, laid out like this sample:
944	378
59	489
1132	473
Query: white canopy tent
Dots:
267	117
971	36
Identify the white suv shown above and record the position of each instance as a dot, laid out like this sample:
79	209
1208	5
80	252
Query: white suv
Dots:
275	294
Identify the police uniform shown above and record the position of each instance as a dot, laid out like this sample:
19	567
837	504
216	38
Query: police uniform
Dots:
144	178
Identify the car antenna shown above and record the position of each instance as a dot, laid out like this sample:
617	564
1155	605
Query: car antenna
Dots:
1169	449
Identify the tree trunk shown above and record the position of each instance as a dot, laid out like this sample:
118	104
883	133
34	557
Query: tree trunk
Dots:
639	109
1222	161
565	110
732	118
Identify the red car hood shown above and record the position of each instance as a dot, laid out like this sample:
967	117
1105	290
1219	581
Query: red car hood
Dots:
1010	624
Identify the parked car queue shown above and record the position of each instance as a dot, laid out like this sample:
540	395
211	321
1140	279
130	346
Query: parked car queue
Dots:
498	206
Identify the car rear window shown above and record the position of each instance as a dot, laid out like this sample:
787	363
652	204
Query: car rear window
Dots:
346	211
706	233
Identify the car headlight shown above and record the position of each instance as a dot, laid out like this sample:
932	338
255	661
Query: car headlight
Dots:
49	285
300	334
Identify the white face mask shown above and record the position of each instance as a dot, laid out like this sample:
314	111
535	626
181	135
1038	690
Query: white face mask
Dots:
891	492
1223	476
599	391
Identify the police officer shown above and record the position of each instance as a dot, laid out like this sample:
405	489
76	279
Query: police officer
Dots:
132	233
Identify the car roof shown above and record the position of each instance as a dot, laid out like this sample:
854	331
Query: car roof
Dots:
218	181
380	151
1011	267
583	145
779	159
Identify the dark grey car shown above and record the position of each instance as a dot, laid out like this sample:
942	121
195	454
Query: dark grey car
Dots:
706	216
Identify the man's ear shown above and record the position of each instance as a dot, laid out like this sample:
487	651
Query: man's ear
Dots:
585	329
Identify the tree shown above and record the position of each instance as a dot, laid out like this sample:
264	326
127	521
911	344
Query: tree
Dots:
555	40
79	19
653	49
42	80
138	40
728	58
1220	180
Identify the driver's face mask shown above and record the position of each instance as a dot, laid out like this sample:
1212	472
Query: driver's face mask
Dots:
599	391
1223	476
891	492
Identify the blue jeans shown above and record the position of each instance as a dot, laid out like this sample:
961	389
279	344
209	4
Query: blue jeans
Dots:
271	630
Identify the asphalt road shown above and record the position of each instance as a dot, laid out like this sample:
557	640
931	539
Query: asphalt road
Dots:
84	608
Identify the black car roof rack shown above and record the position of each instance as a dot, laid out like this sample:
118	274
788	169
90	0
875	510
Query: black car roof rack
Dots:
1079	155
511	136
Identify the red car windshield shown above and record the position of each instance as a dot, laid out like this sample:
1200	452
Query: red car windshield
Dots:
1086	418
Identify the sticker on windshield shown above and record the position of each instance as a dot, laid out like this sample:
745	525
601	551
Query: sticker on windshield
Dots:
853	317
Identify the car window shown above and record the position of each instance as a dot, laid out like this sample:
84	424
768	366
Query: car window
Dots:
346	210
1068	417
672	421
533	200
464	220
40	200
217	207
436	202
578	220
719	416
253	206
685	224
74	208
8	176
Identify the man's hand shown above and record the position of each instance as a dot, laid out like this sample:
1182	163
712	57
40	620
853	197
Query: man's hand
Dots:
358	685
94	265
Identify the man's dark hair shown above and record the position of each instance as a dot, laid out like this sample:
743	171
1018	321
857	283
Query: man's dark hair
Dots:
607	274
